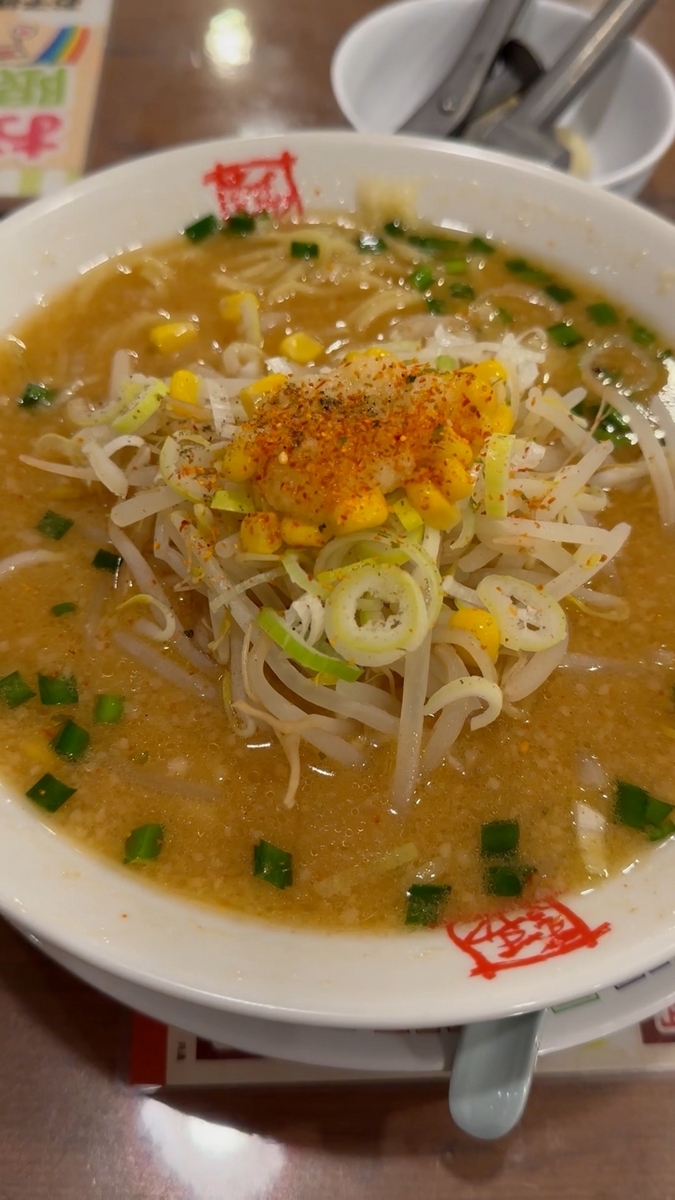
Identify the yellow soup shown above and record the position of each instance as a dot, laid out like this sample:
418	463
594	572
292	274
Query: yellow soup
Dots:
335	585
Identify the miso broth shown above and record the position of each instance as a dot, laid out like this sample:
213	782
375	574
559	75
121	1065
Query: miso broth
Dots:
176	756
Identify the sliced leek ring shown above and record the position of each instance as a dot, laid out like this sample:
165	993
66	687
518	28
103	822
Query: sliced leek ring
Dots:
379	639
186	466
528	618
298	649
469	687
497	458
140	406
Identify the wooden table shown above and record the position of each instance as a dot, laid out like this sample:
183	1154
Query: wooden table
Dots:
70	1129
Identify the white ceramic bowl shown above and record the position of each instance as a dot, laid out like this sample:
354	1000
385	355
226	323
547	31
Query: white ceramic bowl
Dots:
389	62
109	918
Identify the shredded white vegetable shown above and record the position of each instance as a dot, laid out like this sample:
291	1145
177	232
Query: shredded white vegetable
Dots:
27	558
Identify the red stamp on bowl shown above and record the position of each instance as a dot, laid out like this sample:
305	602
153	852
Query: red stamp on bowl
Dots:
533	935
259	185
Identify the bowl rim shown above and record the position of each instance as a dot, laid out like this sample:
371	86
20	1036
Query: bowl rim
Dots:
609	179
111	949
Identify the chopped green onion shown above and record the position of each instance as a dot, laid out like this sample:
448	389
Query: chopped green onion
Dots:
640	334
630	805
105	560
657	811
506	881
71	741
50	793
422	278
499	837
272	864
241	223
394	229
445	362
432	244
58	689
299	651
613	428
462	291
369	243
36	393
565	335
456	266
14	690
603	314
557	292
656	833
304	250
505	316
478	245
60	610
108	709
525	271
144	843
202	228
635	807
424	903
53	525
434	306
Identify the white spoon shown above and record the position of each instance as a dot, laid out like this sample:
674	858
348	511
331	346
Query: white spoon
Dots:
492	1073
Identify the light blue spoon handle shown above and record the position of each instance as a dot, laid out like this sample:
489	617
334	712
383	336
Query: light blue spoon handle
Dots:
492	1073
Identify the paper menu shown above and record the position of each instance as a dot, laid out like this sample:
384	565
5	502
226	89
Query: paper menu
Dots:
51	53
165	1056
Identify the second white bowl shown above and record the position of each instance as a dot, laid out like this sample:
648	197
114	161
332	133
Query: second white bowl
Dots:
389	62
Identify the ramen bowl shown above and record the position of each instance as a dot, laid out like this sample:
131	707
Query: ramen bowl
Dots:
95	913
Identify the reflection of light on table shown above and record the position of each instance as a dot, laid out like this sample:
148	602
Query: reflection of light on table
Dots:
213	1159
228	39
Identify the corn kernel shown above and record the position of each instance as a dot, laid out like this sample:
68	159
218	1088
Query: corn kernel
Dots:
66	491
371	352
456	482
433	507
236	462
301	533
475	386
490	370
450	444
301	348
502	420
184	386
483	627
251	395
260	533
230	306
361	512
38	751
173	336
